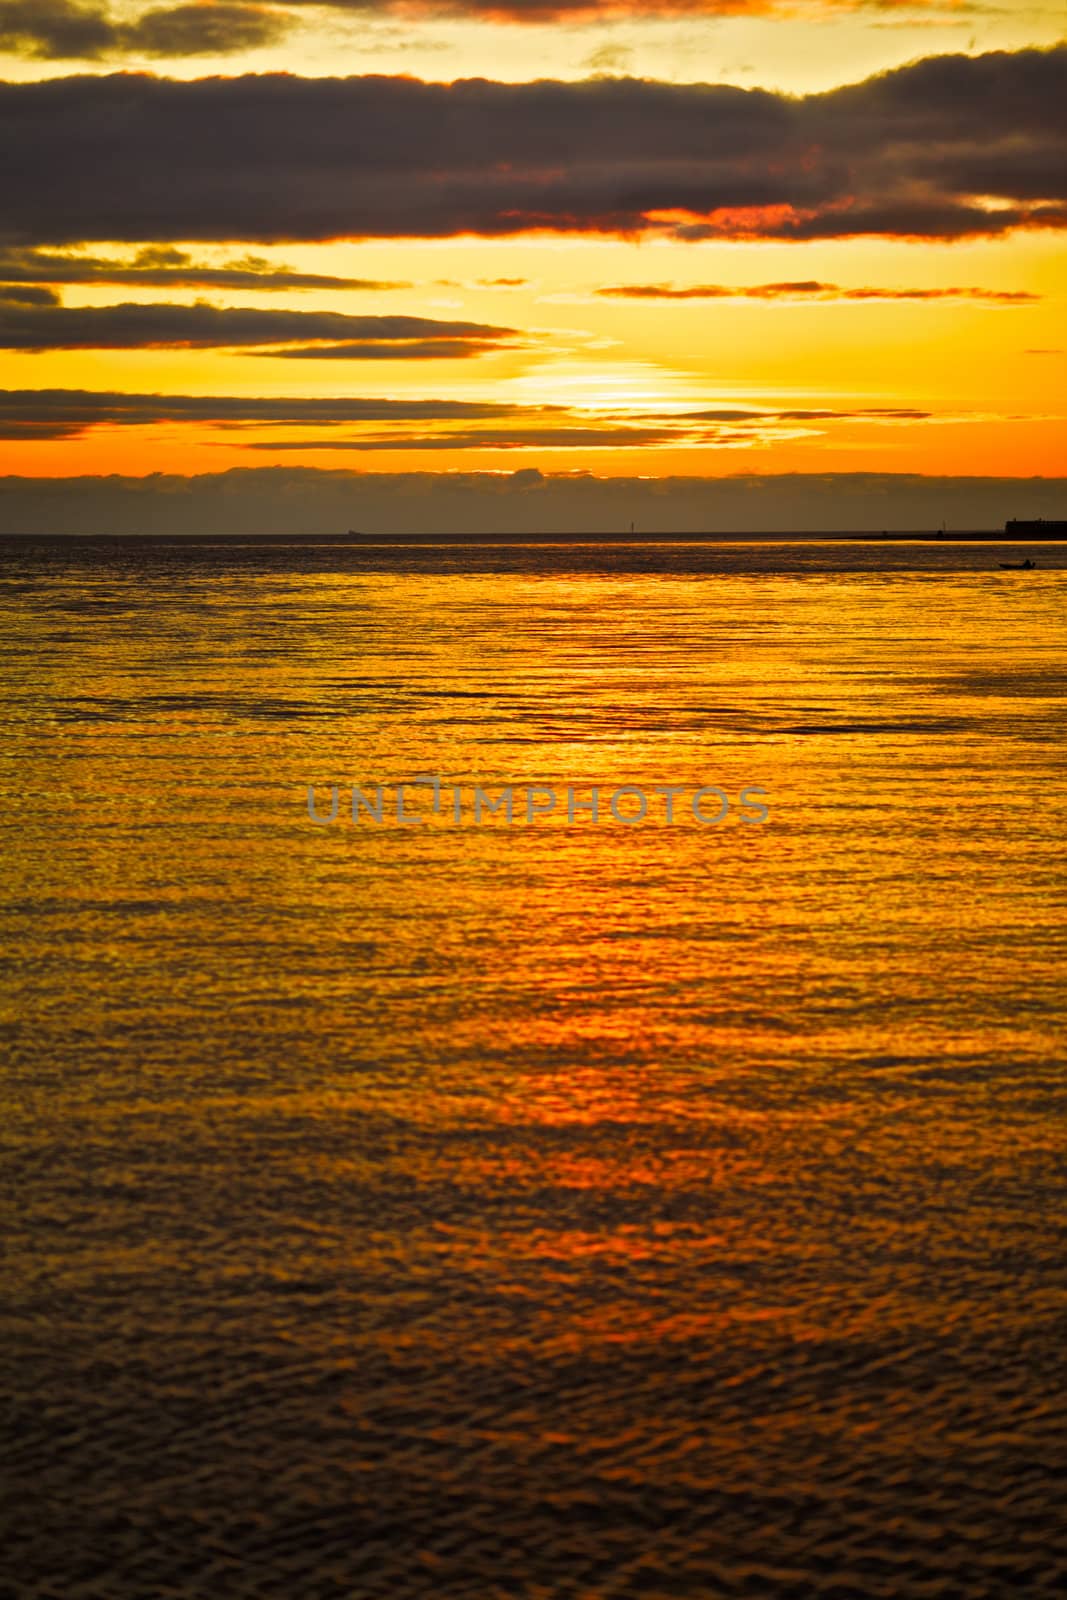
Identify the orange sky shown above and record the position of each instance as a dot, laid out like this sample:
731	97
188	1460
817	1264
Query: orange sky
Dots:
918	355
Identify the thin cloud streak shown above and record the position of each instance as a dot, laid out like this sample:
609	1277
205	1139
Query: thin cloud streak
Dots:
50	326
546	13
561	438
867	413
71	413
168	268
409	350
808	289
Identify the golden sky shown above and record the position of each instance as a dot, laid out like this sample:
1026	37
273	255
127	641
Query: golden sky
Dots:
675	243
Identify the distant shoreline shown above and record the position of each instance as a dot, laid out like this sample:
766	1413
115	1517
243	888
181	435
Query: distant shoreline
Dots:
380	541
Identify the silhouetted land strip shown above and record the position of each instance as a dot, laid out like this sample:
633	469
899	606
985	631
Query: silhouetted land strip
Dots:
1045	532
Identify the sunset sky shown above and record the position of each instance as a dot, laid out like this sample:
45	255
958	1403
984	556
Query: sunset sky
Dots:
692	240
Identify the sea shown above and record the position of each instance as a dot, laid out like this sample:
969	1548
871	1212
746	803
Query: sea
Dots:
667	1204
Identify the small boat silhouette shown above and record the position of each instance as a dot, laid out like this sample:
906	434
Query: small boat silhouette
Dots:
1017	566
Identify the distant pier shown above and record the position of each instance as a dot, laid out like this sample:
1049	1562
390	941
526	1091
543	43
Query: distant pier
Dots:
1037	529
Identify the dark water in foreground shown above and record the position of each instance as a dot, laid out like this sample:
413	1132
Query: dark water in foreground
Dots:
512	1212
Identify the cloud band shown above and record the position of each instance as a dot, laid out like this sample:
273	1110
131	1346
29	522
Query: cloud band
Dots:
949	147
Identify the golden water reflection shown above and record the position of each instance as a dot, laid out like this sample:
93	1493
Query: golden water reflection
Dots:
534	1210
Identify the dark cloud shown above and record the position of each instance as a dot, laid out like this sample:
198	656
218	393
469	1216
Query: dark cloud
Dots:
133	158
808	289
268	500
55	29
50	326
66	30
167	268
69	413
204	30
27	295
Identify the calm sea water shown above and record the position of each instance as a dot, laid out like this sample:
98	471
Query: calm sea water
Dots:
533	1211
